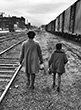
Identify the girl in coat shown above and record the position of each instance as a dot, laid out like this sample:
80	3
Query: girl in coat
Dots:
57	64
32	55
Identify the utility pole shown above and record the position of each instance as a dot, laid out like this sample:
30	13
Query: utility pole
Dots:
2	13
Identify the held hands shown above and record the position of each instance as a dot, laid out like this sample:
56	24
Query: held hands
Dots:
49	71
42	66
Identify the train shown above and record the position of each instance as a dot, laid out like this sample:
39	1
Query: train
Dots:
68	23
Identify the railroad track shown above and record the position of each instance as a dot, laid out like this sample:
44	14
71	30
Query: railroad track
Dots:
72	49
9	67
9	37
69	47
75	52
7	42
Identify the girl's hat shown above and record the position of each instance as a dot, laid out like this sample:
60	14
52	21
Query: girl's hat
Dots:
31	34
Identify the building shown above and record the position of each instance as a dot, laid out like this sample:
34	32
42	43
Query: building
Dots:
6	21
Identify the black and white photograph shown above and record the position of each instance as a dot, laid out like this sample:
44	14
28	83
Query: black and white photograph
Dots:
40	55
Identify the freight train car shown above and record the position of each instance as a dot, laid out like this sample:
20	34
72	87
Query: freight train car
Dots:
77	25
68	23
56	25
53	26
60	22
49	27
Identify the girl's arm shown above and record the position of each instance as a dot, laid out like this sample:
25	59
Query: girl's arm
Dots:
51	59
21	54
65	59
39	53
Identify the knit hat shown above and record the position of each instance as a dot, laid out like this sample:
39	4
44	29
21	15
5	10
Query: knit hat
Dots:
31	34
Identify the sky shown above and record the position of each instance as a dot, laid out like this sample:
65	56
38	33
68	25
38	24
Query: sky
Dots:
37	12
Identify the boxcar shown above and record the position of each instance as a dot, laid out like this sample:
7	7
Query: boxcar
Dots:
60	23
49	27
53	26
56	25
68	23
66	20
77	26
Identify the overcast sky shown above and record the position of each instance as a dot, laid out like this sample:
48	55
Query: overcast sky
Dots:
37	12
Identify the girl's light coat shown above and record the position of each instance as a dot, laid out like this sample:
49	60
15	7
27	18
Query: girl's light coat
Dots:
58	60
32	55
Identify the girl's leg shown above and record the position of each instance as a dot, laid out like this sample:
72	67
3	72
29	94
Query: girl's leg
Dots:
54	78
59	82
28	78
32	80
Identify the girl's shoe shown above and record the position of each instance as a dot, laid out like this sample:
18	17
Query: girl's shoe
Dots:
58	89
53	86
28	83
49	71
31	87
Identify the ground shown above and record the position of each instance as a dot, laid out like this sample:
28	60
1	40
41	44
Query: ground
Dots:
43	97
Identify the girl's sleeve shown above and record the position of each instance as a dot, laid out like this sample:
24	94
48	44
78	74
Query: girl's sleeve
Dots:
39	53
65	59
21	54
51	59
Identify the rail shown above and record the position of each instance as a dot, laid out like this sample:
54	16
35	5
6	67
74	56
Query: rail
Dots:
15	74
11	47
9	84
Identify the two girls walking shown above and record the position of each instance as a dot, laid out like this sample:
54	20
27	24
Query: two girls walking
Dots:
31	55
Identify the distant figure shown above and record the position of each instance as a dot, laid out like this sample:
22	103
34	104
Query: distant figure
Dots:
32	56
57	64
